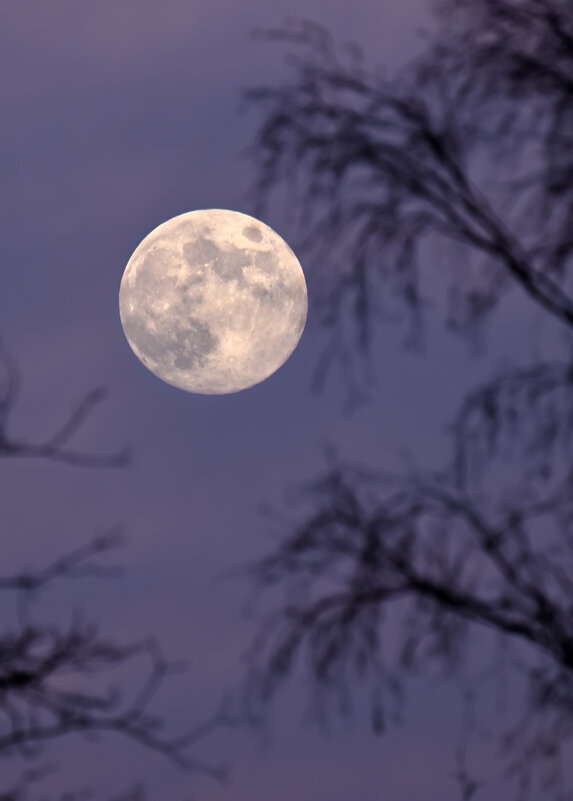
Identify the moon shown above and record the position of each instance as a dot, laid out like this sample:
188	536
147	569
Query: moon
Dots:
213	301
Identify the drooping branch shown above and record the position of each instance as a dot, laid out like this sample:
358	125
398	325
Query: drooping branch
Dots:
383	574
526	415
391	575
378	166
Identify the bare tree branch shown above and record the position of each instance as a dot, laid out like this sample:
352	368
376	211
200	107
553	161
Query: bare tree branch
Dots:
52	676
57	447
42	669
383	575
382	165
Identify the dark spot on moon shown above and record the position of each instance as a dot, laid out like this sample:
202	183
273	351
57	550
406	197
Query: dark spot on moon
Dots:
266	263
260	291
193	344
195	277
252	233
189	229
184	346
272	297
228	263
200	251
183	362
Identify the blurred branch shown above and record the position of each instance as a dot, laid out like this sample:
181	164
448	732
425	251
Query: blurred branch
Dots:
41	665
58	446
21	789
384	575
375	167
76	564
379	547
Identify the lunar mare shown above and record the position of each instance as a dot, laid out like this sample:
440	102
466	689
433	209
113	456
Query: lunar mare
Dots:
213	301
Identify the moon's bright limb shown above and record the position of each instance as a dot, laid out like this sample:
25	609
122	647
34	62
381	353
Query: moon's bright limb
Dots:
213	301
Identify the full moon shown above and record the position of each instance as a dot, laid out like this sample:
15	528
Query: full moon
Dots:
213	301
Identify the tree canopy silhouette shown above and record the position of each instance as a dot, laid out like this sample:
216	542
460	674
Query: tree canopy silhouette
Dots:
469	146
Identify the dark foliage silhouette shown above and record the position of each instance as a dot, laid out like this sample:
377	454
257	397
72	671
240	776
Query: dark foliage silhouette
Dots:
53	676
456	173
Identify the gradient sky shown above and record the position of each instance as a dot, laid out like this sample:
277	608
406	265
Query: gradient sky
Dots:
117	115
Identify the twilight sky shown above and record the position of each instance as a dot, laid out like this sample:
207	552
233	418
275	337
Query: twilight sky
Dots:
117	115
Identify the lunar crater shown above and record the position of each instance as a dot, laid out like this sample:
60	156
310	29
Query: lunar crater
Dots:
252	233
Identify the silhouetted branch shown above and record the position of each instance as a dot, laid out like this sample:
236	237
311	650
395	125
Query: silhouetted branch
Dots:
76	564
21	789
379	548
52	676
525	417
57	447
377	166
41	667
385	574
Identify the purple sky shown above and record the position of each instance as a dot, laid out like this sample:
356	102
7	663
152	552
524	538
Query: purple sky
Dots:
117	115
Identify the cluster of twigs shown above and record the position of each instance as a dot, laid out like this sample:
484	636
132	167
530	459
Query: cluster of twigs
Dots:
49	672
472	144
